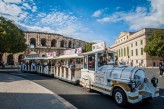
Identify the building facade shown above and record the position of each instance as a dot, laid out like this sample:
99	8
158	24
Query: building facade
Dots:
129	48
41	43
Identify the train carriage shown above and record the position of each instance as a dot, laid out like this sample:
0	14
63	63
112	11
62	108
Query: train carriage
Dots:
37	64
68	65
68	68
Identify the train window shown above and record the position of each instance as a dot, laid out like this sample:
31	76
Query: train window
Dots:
110	58
79	61
91	62
101	59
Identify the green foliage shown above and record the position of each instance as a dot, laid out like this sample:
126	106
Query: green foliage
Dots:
88	47
155	46
11	37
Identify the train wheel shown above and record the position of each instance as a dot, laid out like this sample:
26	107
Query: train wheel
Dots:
120	97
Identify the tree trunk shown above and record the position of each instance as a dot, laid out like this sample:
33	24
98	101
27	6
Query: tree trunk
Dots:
1	55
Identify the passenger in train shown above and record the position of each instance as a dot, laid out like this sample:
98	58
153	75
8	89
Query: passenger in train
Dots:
101	62
49	65
33	65
72	67
58	63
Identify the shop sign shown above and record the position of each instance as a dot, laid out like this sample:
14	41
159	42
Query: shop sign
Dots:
51	54
98	46
73	51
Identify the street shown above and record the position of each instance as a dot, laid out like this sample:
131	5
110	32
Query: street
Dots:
95	100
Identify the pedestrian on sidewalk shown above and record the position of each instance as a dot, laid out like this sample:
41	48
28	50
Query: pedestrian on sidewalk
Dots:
163	67
160	69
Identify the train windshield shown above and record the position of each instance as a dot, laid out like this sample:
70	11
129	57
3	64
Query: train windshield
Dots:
105	59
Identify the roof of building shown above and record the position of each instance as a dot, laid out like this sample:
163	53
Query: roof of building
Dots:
52	34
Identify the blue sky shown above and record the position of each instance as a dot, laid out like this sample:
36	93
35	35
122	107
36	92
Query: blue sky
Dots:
89	20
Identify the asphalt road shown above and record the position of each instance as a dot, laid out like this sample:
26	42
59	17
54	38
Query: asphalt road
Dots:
95	100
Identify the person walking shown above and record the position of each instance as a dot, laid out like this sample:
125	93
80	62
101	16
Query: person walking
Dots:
163	67
160	69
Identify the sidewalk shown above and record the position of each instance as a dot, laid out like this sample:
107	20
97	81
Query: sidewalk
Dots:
18	93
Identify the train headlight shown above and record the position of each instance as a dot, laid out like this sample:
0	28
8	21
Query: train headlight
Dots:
154	81
132	86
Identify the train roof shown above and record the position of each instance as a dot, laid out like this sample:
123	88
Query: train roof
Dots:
69	56
97	51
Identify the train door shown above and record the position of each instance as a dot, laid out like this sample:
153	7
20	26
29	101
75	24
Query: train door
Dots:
89	67
100	75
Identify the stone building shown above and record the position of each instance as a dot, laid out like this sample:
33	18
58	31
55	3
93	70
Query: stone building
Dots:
40	43
129	47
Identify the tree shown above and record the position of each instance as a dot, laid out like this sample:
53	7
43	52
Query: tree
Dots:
155	46
88	47
11	37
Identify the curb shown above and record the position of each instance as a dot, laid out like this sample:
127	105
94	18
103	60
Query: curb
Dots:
66	103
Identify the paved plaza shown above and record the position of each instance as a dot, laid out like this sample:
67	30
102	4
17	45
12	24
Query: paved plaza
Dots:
19	93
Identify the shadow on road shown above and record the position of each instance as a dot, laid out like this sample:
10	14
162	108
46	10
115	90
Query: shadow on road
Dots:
29	101
29	76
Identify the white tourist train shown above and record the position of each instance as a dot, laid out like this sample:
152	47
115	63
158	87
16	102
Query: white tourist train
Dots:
101	72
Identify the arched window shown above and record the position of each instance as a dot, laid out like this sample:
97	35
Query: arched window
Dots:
32	42
65	44
10	60
62	43
73	46
43	42
70	44
53	43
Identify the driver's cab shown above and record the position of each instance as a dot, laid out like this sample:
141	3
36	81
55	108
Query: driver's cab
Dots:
95	62
96	59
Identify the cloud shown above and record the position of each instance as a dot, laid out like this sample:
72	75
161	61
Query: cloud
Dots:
58	19
34	9
35	28
114	18
16	10
26	5
141	17
12	1
98	13
10	9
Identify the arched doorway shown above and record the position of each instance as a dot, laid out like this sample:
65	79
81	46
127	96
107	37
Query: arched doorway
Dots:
10	60
70	44
43	42
32	42
20	57
62	43
53	43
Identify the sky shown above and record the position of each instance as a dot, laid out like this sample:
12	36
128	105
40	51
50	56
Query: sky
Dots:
88	20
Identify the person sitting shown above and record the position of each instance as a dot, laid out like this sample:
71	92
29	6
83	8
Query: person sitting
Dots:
101	62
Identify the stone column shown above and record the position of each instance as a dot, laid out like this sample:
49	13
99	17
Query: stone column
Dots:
4	58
